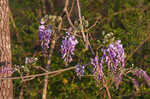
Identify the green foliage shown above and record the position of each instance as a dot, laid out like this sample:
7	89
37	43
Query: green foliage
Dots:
127	19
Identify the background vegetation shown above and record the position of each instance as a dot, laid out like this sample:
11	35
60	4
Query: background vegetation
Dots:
129	20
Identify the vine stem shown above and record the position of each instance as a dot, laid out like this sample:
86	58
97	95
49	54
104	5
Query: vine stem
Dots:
107	89
72	7
45	87
82	28
114	14
139	46
52	47
38	75
48	66
68	14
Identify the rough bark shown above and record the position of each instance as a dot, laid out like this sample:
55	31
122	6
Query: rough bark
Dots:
6	88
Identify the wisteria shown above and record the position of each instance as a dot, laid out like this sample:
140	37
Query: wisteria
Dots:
68	46
97	67
80	70
115	56
44	35
140	73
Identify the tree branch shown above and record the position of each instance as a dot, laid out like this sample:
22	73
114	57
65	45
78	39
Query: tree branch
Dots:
67	14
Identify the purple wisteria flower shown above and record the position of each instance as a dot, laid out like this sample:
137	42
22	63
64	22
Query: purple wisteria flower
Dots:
80	70
140	73
68	46
97	67
44	35
114	56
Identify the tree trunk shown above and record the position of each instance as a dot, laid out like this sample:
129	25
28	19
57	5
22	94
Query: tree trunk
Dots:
6	88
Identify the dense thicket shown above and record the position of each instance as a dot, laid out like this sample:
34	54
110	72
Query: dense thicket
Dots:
129	20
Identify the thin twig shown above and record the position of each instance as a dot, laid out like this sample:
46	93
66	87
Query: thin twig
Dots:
67	14
114	14
21	91
22	87
48	64
55	74
139	46
107	89
82	28
28	79
45	87
41	68
95	23
108	18
38	75
72	6
52	47
14	26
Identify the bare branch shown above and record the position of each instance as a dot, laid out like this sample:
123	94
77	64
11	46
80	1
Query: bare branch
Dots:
72	6
114	14
139	46
97	20
82	28
67	14
38	75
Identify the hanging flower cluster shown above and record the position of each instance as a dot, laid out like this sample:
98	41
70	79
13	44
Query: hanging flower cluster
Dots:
44	35
68	46
98	66
114	56
80	70
140	73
